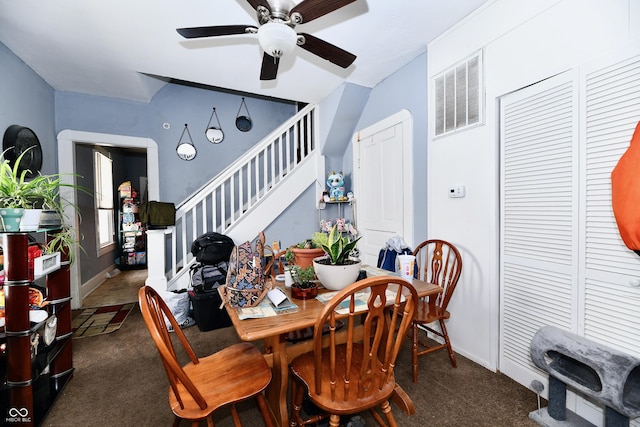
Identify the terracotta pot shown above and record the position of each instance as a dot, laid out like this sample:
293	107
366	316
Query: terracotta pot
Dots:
303	258
304	293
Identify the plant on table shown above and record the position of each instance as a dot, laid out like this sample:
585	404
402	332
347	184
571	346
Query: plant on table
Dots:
303	278
304	282
337	268
304	253
337	247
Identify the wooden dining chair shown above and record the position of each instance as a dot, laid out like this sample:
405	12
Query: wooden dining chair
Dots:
274	264
352	370
438	262
203	385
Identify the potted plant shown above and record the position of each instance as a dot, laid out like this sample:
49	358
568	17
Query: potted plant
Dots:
304	253
304	285
19	193
336	269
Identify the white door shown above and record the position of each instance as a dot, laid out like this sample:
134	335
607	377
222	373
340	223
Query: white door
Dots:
562	261
539	218
383	184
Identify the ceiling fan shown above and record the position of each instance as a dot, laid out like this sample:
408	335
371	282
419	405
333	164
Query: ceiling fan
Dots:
276	33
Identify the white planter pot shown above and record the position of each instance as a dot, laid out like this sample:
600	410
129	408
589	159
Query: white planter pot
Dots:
30	220
336	277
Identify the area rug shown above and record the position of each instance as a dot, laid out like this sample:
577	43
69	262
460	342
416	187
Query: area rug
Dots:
100	320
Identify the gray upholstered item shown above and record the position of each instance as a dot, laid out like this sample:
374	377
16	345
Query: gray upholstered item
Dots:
602	373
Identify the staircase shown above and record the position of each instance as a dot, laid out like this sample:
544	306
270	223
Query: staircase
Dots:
242	200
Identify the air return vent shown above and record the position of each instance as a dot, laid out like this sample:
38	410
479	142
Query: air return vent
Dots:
459	95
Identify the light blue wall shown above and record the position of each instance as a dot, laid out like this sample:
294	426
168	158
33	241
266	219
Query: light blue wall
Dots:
177	104
27	100
405	89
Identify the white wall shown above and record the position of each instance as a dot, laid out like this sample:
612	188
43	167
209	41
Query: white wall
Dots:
524	42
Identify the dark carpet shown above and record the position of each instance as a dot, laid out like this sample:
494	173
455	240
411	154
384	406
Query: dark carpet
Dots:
119	381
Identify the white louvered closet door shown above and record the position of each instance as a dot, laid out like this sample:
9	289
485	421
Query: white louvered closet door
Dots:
539	218
611	302
563	262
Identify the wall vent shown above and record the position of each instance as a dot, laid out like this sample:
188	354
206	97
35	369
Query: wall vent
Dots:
459	95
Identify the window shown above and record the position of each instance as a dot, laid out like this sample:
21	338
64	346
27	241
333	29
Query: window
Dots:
103	178
458	94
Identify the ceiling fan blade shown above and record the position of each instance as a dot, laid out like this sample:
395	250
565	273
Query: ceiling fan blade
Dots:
312	9
218	30
255	3
269	68
327	51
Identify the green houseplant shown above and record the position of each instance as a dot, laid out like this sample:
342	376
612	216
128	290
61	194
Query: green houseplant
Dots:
304	285
336	269
305	251
18	192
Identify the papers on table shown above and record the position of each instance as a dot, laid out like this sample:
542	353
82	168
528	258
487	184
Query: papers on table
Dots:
272	305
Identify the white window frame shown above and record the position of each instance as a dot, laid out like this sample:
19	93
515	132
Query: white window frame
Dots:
104	203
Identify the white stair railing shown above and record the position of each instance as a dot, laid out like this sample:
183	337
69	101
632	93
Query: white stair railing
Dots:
221	204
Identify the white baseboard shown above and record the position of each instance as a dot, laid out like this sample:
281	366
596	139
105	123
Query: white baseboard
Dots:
92	284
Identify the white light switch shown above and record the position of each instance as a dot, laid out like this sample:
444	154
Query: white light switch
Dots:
457	191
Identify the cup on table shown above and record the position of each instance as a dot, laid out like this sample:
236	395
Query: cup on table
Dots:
406	263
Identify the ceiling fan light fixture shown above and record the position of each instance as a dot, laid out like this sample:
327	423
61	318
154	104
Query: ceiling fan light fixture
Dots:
277	39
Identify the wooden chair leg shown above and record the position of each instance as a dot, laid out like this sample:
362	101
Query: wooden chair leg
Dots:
452	356
264	410
334	420
176	421
414	351
209	421
376	416
235	416
297	395
386	410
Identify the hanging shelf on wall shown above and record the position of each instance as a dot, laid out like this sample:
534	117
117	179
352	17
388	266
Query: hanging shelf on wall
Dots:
243	123
185	149
214	133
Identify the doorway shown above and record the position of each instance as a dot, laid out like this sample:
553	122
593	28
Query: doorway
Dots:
67	141
383	183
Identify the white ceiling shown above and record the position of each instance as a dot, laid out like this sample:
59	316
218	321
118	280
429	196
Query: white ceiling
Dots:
129	48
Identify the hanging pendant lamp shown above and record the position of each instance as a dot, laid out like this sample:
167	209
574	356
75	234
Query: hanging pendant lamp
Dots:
214	133
243	123
185	149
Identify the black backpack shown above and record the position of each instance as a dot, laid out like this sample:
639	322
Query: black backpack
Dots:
212	247
206	278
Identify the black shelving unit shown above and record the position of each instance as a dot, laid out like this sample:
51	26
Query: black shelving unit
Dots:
33	372
131	231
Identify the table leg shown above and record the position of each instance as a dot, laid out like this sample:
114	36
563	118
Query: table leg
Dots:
276	392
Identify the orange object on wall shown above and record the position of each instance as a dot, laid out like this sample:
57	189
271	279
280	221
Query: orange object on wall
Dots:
625	193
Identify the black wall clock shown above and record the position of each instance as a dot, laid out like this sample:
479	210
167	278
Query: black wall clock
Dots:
17	140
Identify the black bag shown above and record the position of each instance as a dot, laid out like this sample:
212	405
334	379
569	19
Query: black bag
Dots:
205	277
212	247
158	214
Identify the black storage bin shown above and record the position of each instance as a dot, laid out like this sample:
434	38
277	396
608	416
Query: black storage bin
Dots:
207	312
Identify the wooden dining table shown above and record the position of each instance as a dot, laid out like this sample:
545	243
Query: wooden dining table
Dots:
279	352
